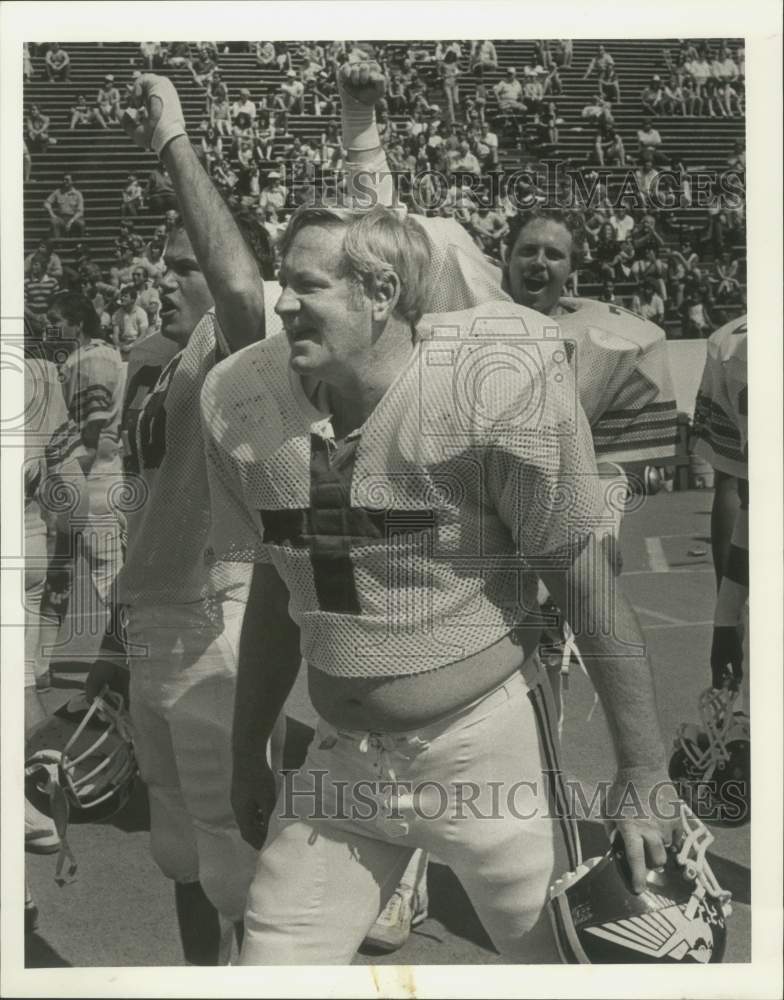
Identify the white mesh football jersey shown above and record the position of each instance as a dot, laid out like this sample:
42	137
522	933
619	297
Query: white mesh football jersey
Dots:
415	542
45	417
624	379
721	410
168	560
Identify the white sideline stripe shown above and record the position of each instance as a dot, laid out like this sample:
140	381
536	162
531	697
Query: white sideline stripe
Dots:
657	560
647	628
660	616
676	569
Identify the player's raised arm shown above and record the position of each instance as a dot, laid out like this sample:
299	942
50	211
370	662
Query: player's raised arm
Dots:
157	123
361	86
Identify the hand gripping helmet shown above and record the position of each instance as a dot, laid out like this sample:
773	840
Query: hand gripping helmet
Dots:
711	762
83	750
680	916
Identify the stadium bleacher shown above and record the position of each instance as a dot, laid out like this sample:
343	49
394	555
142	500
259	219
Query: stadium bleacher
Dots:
100	160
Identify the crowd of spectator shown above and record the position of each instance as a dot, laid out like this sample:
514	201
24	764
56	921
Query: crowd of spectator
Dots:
445	125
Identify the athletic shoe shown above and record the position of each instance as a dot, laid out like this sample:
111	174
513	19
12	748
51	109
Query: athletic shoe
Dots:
40	832
406	908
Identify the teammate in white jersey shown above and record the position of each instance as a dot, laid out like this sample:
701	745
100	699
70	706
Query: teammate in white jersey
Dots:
620	360
182	609
721	436
398	490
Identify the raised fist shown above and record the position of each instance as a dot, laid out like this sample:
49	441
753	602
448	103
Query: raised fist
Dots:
155	115
362	83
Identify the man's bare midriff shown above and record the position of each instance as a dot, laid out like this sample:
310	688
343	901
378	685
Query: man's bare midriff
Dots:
396	704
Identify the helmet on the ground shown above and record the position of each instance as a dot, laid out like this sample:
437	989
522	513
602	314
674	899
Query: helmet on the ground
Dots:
84	750
679	917
711	762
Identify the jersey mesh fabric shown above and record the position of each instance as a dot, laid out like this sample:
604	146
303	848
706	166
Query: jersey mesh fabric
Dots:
45	418
168	558
721	410
416	542
624	380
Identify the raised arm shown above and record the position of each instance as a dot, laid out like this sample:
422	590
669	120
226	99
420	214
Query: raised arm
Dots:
230	268
361	85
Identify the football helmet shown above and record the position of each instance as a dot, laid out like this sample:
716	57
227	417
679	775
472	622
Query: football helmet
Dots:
680	916
84	751
711	762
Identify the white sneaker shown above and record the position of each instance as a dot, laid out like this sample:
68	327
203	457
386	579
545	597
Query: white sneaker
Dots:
40	832
406	908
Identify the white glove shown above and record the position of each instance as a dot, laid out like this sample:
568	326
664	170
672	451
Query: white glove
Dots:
155	117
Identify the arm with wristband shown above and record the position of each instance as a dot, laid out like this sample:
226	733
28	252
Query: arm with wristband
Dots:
156	121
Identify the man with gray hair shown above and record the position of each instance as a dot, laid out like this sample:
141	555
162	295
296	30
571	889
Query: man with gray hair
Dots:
398	483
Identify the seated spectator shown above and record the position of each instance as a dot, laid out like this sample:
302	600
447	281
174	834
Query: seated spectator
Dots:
483	54
211	145
289	98
220	115
728	99
82	114
396	95
332	152
599	111
691	96
108	100
49	260
673	100
463	161
509	93
647	304
39	288
537	137
561	50
132	197
486	148
265	54
65	207
646	174
649	138
533	94
159	191
622	223
700	70
152	261
604	251
727	284
608	147
648	267
607	294
147	295
622	263
37	125
203	68
477	102
243	111
600	61
129	322
272	224
224	176
696	318
273	192
57	63
282	56
609	86
325	95
152	55
652	97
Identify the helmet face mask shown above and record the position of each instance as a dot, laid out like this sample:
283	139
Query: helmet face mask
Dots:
711	761
680	917
85	749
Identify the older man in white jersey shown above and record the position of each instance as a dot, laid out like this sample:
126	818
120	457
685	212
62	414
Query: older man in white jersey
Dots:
401	518
182	610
